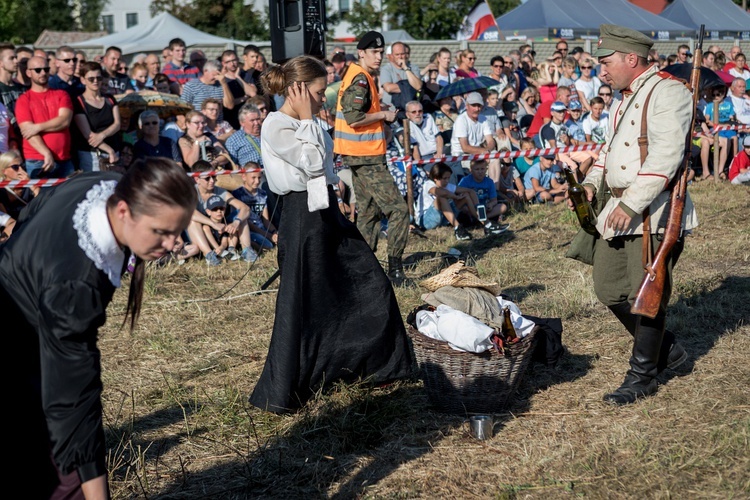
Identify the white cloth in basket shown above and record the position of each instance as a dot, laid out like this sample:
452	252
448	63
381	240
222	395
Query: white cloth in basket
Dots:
522	325
461	331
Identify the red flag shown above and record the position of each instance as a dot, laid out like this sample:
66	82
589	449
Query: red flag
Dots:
480	18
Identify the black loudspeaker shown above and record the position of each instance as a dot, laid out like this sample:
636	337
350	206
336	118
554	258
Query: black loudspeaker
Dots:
297	28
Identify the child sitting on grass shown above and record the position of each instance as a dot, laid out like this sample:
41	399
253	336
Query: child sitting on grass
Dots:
262	232
510	186
486	194
439	201
540	183
221	242
524	163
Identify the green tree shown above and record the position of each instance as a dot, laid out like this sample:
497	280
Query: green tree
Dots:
363	17
24	20
500	7
423	19
227	18
428	19
89	17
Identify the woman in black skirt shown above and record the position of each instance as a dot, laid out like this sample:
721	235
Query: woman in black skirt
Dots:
58	273
336	314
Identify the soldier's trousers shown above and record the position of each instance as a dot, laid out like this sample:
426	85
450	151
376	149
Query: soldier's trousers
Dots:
377	195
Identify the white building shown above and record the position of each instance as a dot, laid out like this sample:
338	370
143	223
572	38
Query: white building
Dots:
119	15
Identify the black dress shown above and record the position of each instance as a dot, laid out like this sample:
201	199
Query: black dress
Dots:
337	318
53	299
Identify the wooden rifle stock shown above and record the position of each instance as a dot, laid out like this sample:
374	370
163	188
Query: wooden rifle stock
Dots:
648	299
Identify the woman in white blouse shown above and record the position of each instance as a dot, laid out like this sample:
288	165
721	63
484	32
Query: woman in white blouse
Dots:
337	318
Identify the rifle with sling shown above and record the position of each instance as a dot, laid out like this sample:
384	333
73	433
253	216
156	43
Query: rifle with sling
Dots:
650	293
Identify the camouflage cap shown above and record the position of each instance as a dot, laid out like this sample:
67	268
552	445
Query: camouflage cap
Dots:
613	38
371	40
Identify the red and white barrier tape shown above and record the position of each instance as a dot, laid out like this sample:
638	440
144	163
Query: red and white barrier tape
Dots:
392	159
55	182
503	154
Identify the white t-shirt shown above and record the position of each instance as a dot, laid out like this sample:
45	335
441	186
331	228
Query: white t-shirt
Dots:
5	218
589	89
596	129
739	73
474	131
424	135
426	200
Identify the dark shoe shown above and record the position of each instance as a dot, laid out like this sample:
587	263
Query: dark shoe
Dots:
492	227
461	233
640	381
671	354
632	388
677	356
396	273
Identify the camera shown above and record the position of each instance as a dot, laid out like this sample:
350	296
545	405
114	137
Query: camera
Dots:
482	213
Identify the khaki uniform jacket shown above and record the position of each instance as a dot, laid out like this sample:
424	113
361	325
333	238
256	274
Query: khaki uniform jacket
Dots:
668	120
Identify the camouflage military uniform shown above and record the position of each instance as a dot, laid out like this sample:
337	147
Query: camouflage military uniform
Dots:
376	191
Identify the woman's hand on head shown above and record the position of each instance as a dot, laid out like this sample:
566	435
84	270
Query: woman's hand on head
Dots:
299	99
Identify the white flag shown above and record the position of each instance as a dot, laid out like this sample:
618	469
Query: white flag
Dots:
480	18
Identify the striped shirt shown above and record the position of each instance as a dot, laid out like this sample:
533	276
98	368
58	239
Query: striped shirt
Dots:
195	92
243	148
181	75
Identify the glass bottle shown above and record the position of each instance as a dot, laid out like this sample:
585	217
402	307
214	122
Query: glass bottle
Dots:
581	205
509	331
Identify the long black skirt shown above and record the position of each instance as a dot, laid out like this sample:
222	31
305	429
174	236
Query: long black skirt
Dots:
337	318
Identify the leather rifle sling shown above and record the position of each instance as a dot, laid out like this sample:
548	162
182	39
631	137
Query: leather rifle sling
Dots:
643	146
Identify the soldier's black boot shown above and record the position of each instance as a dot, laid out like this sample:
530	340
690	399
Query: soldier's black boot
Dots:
671	354
641	378
396	272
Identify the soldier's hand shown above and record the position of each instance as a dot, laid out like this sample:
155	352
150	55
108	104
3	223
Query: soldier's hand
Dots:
618	219
389	115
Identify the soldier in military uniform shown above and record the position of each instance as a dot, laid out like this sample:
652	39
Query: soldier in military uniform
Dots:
633	190
360	139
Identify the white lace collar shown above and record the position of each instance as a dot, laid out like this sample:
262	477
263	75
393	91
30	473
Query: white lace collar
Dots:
95	235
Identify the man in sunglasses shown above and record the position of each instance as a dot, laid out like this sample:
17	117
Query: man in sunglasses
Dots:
44	117
65	78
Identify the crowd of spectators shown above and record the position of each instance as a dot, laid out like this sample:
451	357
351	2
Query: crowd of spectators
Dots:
59	114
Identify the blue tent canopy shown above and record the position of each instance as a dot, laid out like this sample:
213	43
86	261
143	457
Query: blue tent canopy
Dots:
581	19
722	17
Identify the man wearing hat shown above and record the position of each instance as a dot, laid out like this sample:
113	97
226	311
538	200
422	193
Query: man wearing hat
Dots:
360	139
637	188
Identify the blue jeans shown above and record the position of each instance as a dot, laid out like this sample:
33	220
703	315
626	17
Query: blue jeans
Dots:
88	161
60	170
433	218
261	241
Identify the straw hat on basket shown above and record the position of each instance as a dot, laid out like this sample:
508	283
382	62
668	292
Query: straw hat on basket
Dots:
460	275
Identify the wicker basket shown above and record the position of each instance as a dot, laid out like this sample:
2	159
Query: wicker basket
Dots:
463	382
460	275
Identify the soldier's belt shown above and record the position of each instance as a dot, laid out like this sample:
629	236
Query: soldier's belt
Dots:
617	192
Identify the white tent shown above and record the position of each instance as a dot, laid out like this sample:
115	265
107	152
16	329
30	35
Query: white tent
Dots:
156	34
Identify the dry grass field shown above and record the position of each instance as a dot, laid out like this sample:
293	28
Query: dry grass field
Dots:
179	426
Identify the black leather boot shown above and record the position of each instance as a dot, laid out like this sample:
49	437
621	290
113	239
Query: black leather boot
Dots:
396	272
641	378
671	354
